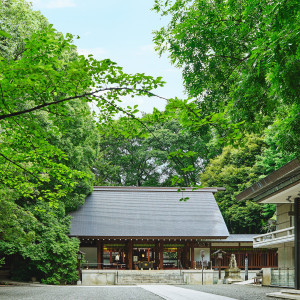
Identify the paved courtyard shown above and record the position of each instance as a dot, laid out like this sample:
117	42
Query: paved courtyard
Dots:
147	292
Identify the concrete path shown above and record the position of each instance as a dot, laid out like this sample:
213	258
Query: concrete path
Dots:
169	292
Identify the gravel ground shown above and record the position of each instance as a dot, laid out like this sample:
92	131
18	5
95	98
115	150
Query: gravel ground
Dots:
75	293
241	292
41	292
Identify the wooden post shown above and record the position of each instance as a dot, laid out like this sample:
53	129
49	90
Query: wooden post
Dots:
192	255
130	253
161	255
156	250
239	259
148	254
179	257
184	256
99	254
210	259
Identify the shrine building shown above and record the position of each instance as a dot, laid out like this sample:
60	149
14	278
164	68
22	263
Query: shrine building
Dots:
148	227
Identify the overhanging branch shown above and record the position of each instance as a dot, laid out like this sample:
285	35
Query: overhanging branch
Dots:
18	113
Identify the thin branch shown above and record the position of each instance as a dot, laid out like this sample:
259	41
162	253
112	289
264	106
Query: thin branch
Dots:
2	117
14	163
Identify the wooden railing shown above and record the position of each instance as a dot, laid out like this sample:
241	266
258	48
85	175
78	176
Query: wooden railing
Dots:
256	260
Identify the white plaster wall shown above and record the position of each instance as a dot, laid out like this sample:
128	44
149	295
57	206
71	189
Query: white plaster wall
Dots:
283	219
286	257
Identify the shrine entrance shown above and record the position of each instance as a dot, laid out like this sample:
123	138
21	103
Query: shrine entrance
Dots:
144	258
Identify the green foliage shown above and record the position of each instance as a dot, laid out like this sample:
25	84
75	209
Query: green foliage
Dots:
49	138
145	152
18	22
235	170
239	60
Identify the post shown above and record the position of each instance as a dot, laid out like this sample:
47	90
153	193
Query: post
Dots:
179	258
161	255
246	268
297	242
117	258
99	254
202	253
78	266
219	259
192	255
130	252
156	250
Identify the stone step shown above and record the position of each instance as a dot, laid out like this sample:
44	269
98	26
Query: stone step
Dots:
153	281
284	295
290	291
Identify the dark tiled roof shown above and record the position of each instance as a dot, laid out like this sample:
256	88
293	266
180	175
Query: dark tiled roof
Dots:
282	178
149	212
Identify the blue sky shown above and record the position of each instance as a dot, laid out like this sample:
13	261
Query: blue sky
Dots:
120	30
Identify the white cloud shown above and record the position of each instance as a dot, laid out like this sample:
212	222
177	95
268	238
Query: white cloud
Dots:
97	52
52	3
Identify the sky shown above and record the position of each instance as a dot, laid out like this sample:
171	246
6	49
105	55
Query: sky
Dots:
120	30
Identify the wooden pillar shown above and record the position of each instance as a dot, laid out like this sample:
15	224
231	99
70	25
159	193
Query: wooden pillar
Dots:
99	254
179	257
156	250
192	255
297	242
161	255
130	254
184	256
239	258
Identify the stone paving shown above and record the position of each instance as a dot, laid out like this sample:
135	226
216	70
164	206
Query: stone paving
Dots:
147	292
240	292
170	292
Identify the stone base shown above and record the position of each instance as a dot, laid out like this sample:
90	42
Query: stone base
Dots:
232	275
230	280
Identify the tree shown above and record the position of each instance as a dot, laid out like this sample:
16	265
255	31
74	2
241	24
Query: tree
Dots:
48	137
238	59
145	151
235	169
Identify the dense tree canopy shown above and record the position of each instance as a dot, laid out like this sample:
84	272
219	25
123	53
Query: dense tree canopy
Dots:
240	60
149	153
49	137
